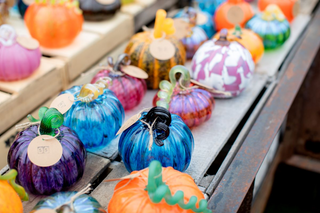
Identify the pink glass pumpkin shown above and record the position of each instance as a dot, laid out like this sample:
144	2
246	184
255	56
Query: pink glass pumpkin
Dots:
16	60
128	89
192	104
223	65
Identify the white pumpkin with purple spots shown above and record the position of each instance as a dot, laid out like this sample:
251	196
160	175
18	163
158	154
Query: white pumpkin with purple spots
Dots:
223	65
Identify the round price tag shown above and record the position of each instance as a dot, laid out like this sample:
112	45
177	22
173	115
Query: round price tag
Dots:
235	15
106	2
162	49
296	8
44	151
28	43
134	72
28	2
129	123
201	18
63	103
182	28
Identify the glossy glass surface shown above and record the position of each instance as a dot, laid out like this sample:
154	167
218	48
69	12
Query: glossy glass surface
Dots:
4	12
176	151
22	7
9	199
95	122
273	33
193	42
94	11
47	180
129	90
210	6
82	204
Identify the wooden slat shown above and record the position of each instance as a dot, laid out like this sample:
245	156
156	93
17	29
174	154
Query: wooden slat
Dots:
30	93
304	162
307	6
93	168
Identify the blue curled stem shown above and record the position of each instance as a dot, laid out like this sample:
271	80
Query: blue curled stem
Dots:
158	190
166	87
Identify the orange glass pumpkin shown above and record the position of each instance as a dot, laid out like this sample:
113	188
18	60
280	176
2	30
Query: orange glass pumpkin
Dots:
290	8
54	24
152	189
231	13
248	39
9	199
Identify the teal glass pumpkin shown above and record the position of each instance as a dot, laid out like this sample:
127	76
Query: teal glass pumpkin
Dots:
171	141
60	202
272	26
95	121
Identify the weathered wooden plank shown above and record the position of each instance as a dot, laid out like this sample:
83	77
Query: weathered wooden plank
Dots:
94	166
307	6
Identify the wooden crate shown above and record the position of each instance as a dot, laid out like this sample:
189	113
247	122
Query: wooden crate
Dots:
21	97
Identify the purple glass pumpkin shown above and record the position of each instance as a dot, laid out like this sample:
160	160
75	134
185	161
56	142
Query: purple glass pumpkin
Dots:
48	180
223	65
16	61
129	90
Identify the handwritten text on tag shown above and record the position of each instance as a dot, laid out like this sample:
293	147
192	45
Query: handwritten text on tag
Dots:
134	72
162	49
63	103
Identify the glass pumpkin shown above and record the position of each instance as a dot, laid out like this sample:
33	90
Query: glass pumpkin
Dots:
248	39
16	62
193	105
139	50
271	26
96	121
171	141
22	7
223	65
11	193
4	10
208	26
52	32
209	6
129	90
58	177
290	8
60	202
224	14
157	189
95	10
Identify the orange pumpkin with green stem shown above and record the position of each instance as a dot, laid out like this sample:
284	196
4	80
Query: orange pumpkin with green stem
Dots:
54	23
9	193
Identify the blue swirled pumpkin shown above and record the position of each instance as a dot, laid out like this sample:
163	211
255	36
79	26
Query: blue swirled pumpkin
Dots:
210	6
176	150
58	201
96	122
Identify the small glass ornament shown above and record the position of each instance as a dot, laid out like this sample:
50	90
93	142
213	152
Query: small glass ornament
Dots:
99	10
157	189
96	115
129	88
20	57
270	18
223	65
40	179
70	202
156	135
192	104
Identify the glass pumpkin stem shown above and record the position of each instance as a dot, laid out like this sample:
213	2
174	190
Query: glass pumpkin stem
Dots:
158	190
223	41
192	16
11	177
90	92
237	31
124	60
51	120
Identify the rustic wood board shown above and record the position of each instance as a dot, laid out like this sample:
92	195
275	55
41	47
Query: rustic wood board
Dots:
307	6
31	92
94	166
272	59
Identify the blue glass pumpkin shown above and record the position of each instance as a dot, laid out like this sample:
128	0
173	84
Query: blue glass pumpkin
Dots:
171	141
272	26
22	7
210	6
59	202
96	121
208	26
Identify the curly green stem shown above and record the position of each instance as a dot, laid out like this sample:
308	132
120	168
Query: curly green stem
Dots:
237	31
158	190
11	177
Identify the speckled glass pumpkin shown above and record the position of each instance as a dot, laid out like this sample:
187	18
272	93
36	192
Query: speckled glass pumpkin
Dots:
59	202
16	61
150	190
223	65
271	26
58	177
224	14
95	121
193	105
95	10
171	143
209	6
138	49
208	26
129	90
248	39
52	32
289	8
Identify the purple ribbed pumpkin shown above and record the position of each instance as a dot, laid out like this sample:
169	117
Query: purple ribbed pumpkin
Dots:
223	65
16	61
48	180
